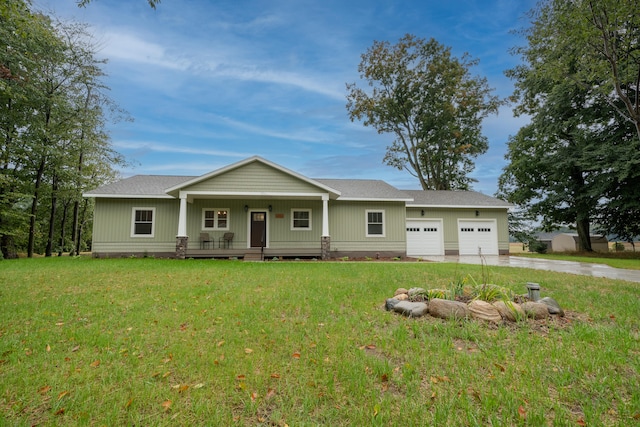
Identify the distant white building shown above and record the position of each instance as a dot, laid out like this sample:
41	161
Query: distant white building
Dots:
569	242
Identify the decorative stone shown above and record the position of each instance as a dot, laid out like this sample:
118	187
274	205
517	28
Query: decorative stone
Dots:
552	306
484	311
509	310
535	310
400	291
446	309
390	303
402	297
411	309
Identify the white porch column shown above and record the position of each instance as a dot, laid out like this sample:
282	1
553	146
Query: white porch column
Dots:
182	218
325	215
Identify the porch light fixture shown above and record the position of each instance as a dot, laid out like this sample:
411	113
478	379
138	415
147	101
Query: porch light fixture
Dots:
477	213
422	212
270	208
246	208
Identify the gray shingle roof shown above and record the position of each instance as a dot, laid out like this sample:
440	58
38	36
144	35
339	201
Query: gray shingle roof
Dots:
364	189
140	186
441	198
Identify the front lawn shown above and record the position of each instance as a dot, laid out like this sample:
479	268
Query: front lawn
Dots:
200	342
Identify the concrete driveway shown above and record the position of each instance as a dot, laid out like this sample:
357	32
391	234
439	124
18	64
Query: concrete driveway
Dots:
582	268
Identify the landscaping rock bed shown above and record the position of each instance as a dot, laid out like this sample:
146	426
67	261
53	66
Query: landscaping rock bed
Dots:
489	303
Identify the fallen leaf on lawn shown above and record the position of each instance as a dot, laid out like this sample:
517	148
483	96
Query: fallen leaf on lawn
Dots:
45	389
248	351
76	348
220	343
433	395
183	388
370	347
254	396
270	393
155	374
499	366
197	386
166	405
581	422
384	378
637	416
95	364
129	403
59	323
59	412
48	347
521	412
376	410
296	355
274	375
240	377
166	374
63	394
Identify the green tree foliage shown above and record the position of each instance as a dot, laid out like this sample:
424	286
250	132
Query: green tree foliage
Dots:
577	158
52	118
430	102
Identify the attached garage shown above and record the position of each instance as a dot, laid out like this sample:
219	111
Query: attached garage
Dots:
478	237
424	237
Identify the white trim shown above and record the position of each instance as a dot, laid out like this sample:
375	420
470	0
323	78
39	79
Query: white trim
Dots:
128	196
310	211
252	194
461	206
215	219
133	222
366	222
372	199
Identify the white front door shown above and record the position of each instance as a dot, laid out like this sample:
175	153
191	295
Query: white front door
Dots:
424	237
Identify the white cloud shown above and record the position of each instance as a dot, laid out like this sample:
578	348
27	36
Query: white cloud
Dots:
163	148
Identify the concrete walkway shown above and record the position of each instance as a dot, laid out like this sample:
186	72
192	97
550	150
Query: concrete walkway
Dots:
582	268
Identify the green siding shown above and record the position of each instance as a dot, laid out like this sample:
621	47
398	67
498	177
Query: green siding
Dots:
112	226
450	218
347	226
255	177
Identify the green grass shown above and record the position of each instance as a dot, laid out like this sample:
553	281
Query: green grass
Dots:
627	260
167	342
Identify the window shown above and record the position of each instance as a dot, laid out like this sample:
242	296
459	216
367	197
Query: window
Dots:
375	223
143	224
301	219
215	219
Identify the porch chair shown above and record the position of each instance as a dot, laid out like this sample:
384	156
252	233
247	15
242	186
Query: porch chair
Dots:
225	240
205	241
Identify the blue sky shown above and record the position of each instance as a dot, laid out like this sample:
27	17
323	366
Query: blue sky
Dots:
211	82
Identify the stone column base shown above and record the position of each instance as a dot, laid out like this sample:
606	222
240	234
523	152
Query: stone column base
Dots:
326	247
181	246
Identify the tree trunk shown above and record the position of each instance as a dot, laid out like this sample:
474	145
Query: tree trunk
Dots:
34	207
74	226
584	234
63	224
80	226
52	217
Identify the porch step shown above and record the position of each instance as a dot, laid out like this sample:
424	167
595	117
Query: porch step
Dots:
253	255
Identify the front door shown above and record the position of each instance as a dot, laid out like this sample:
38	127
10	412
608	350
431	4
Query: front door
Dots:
258	229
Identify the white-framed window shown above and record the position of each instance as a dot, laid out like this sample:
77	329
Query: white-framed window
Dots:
143	222
215	219
375	223
300	219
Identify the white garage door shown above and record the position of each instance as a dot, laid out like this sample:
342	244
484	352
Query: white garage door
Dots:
476	237
424	237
